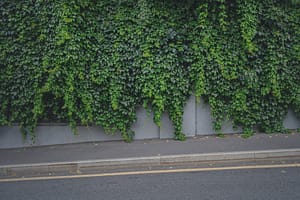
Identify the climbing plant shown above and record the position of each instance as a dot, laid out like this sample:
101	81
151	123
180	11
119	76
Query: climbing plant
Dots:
245	54
95	62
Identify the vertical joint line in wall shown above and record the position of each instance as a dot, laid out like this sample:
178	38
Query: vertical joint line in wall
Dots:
159	130
196	109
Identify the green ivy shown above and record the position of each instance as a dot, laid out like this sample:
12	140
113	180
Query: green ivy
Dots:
95	62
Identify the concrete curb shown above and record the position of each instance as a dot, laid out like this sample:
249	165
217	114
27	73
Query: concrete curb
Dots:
54	167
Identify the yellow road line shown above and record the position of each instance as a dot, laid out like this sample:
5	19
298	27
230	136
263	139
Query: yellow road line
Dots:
150	172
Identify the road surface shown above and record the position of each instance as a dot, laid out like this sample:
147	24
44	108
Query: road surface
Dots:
238	184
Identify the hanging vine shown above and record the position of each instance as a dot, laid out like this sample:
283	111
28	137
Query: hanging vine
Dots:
94	62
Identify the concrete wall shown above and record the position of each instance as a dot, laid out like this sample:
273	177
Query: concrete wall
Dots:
197	120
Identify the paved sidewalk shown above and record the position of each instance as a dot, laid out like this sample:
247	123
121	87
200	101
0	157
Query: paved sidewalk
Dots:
148	148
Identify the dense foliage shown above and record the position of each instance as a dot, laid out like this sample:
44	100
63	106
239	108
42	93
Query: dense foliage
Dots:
94	62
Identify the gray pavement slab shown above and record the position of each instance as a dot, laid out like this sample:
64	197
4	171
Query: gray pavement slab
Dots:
147	148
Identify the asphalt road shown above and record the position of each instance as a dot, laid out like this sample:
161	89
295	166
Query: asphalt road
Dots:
265	184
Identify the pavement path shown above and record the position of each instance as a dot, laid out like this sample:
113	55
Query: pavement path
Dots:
86	157
147	148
